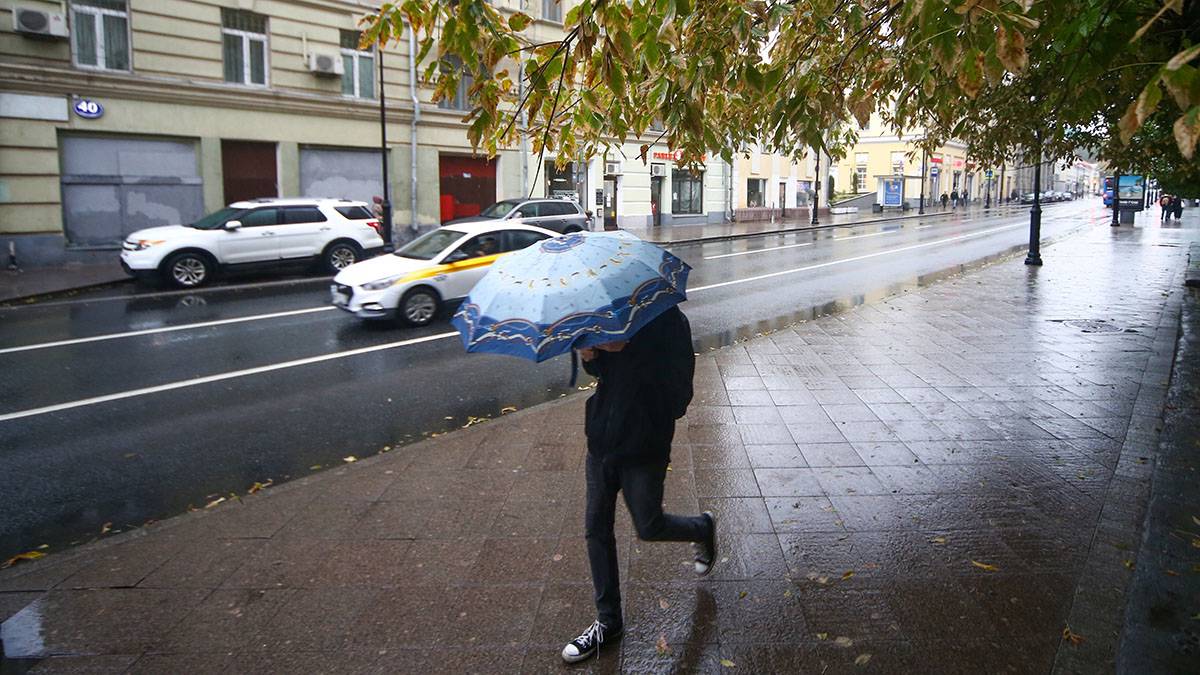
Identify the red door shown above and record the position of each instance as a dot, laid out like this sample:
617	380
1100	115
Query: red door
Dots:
249	170
468	184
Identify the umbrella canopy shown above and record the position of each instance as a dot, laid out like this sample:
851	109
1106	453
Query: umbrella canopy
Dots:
575	290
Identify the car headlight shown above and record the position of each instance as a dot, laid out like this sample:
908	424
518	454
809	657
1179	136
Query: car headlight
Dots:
143	244
380	284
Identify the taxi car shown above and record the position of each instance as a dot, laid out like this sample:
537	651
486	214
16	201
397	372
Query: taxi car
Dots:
443	265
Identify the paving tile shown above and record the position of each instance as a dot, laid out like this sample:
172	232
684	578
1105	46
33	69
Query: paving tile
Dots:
830	454
726	483
738	514
782	455
225	620
822	432
788	482
803	514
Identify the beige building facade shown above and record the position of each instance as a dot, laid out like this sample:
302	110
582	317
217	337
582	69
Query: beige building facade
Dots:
121	114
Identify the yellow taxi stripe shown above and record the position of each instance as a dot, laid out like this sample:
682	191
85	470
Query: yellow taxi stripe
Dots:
462	265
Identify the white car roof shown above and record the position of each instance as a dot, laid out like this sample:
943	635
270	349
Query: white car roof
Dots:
484	226
295	201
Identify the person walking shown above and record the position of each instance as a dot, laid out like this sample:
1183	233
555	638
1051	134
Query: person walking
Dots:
954	197
645	384
1177	207
1164	202
945	200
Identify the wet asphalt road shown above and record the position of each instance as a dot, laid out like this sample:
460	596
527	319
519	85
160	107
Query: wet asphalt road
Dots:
131	428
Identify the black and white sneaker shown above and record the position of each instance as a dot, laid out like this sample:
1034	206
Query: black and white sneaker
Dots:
706	551
589	642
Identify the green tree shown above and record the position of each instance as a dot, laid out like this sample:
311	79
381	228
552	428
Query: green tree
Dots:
725	74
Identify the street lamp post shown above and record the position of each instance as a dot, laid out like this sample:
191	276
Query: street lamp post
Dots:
1116	202
383	158
1035	213
921	208
1003	198
987	190
816	185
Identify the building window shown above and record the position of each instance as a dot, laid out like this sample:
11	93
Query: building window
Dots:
244	44
552	11
860	172
756	192
100	32
687	192
459	99
898	163
358	67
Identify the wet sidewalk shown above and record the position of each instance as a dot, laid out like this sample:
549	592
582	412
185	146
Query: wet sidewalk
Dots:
686	234
37	281
951	480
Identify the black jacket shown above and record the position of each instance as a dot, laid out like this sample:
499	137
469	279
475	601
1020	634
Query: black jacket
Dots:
642	390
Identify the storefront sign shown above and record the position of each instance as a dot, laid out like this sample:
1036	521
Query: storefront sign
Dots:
673	155
893	192
933	171
88	109
936	160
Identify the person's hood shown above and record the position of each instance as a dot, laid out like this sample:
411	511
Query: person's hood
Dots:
162	232
379	267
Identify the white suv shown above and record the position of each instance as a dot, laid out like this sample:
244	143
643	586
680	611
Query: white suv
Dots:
335	233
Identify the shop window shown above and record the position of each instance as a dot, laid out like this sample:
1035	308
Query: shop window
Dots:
552	11
687	192
244	46
358	71
756	192
100	34
458	99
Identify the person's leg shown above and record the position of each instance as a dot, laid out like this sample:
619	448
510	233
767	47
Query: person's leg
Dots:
642	486
602	486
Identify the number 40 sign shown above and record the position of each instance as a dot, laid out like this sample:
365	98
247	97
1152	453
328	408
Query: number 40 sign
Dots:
88	108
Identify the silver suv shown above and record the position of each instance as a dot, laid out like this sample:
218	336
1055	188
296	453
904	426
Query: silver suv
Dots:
559	215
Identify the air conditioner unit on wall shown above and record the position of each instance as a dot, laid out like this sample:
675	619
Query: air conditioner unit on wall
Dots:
39	22
658	169
325	64
612	168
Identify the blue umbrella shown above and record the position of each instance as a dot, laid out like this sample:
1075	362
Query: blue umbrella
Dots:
572	291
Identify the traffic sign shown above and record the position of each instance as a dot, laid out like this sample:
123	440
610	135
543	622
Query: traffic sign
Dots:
988	173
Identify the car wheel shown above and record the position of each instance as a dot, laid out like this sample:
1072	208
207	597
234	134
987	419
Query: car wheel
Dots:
341	255
418	307
188	269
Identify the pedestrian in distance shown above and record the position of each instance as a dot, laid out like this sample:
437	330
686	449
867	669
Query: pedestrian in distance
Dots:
954	198
1164	202
945	200
645	384
1177	207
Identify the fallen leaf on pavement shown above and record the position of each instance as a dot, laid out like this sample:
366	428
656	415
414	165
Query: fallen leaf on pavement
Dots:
787	593
259	486
106	528
314	467
822	636
1172	573
1128	564
1073	638
661	646
938	540
28	555
847	574
662	602
1196	520
43	547
985	567
862	659
728	664
214	502
508	409
557	557
843	641
822	580
741	595
350	458
129	455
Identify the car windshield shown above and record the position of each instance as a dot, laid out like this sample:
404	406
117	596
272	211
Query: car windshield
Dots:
500	209
216	219
428	245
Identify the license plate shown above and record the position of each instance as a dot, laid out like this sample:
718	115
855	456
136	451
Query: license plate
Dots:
339	298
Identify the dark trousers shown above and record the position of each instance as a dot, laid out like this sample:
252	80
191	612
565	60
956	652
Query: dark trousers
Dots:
642	486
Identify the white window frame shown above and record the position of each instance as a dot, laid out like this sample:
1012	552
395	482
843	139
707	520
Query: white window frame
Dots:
546	16
901	164
861	170
356	58
246	36
101	57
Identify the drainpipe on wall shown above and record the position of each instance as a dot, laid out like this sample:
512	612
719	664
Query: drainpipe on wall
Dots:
524	140
416	120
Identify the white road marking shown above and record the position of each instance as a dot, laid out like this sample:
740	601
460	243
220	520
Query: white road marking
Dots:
219	377
165	329
759	250
923	227
853	259
860	236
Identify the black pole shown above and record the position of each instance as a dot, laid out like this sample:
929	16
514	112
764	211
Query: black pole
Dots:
1003	198
921	208
817	185
1116	203
383	158
1035	213
987	190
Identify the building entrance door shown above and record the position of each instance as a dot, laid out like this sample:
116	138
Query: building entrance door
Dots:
467	184
610	202
656	183
782	197
249	169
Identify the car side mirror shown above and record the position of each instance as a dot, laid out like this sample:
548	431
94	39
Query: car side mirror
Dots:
455	257
516	215
233	225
